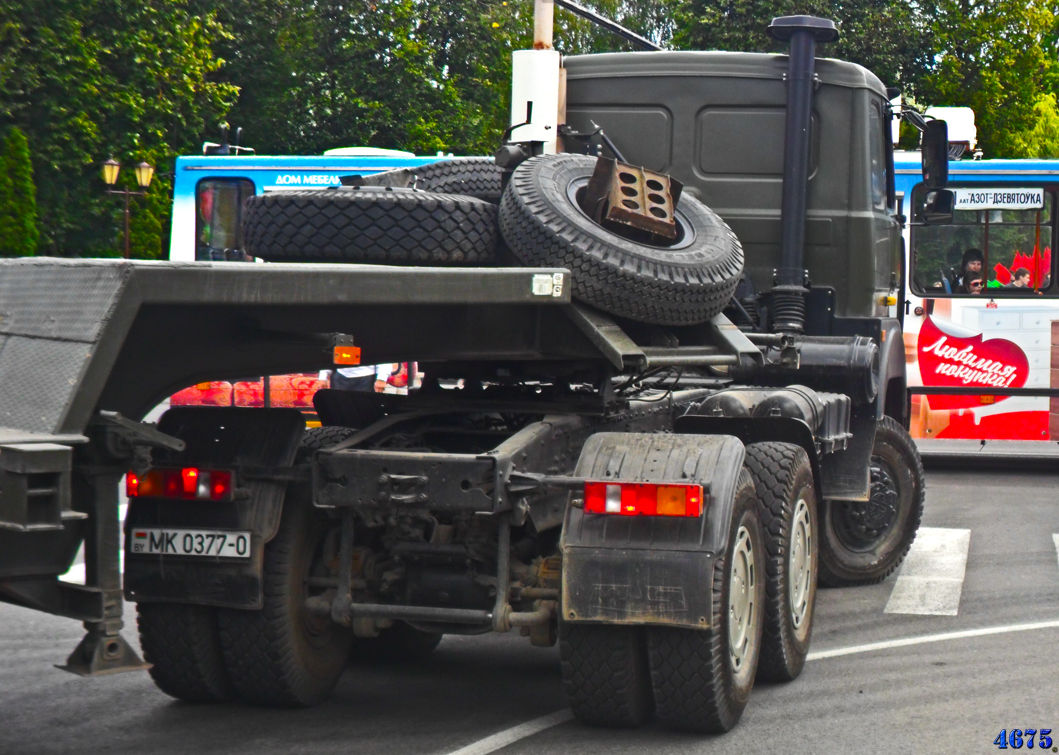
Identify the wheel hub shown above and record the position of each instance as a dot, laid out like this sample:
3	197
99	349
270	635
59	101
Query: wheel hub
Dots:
799	565
869	521
742	608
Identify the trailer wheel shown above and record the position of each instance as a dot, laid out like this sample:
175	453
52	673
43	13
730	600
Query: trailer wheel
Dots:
397	644
702	677
183	645
605	674
371	224
282	655
863	543
684	283
786	496
477	177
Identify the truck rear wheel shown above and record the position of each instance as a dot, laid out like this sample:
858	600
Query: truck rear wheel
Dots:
786	496
183	645
683	283
605	674
702	677
863	543
282	655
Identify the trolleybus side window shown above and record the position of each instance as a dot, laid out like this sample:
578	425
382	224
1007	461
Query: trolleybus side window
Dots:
999	244
218	218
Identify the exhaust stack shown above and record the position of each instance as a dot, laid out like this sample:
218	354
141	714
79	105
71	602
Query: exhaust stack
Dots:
788	293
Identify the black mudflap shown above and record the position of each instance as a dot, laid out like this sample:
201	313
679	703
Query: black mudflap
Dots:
649	570
219	438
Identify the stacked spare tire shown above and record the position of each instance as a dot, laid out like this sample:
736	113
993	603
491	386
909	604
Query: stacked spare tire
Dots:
453	213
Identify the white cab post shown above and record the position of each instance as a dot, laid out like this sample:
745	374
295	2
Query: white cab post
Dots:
535	79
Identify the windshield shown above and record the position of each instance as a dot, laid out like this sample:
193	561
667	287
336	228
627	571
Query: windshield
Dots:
991	251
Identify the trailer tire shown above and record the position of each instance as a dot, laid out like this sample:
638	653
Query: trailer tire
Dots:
282	656
183	646
863	544
398	644
783	479
605	674
701	682
683	284
477	177
371	224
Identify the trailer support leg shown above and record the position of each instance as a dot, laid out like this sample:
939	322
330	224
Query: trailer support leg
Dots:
103	650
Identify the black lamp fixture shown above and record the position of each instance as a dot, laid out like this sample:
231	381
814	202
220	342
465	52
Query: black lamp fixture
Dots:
144	174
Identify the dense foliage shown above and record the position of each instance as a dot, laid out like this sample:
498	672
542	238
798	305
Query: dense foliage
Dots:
18	198
151	79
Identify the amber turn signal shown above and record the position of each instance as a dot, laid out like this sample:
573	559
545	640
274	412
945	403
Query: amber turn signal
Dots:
347	355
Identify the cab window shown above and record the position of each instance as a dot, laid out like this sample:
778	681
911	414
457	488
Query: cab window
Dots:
877	155
990	252
218	218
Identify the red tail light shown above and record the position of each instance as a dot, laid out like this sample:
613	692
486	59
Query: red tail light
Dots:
643	499
189	483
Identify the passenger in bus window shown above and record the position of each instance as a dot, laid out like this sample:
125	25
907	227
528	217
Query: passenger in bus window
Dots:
971	265
974	287
1020	280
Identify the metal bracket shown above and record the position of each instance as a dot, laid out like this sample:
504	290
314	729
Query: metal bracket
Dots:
139	433
127	438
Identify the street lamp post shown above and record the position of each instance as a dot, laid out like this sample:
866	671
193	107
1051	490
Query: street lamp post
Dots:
144	173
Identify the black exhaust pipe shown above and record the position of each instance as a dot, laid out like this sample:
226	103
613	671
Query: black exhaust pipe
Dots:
788	293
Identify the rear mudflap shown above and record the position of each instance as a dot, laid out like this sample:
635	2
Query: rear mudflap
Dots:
217	438
649	569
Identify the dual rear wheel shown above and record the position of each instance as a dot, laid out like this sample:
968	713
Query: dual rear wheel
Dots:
280	656
764	591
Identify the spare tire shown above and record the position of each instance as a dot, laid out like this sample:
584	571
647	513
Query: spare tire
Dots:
684	283
472	176
370	224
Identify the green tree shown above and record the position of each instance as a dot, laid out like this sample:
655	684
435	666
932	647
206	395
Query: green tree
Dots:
994	57
133	79
18	198
1041	140
393	73
891	38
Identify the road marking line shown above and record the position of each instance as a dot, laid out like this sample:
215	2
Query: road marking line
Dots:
928	638
522	731
515	733
1055	539
931	579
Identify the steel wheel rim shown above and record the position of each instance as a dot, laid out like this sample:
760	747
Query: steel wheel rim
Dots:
742	602
800	562
863	526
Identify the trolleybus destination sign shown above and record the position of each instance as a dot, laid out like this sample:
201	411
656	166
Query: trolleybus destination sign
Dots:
1004	198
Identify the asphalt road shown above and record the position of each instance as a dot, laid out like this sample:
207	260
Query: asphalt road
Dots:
950	695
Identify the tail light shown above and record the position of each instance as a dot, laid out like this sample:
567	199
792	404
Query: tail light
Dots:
189	483
643	499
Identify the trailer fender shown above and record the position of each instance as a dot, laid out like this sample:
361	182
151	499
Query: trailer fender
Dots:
649	570
219	438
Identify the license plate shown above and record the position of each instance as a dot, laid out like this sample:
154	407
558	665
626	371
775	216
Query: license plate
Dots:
208	543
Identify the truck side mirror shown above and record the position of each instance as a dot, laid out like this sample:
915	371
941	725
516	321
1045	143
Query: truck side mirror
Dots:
935	152
939	206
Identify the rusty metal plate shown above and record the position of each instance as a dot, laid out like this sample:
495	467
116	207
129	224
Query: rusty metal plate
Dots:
633	197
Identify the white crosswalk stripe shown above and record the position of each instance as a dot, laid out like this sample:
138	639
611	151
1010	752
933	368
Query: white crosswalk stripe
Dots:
931	580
